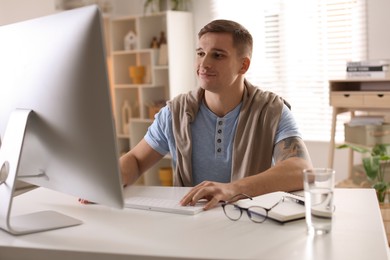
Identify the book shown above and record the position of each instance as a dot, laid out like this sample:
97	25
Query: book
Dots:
369	74
368	63
366	120
368	68
290	209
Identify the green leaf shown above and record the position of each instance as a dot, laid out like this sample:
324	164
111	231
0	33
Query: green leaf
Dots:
371	166
385	158
379	149
381	186
356	148
374	165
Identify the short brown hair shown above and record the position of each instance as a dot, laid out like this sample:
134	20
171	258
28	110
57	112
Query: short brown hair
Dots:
242	39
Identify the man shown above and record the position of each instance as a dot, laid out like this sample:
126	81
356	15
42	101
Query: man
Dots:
227	137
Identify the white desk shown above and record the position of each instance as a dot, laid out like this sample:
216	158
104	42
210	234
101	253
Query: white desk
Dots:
358	233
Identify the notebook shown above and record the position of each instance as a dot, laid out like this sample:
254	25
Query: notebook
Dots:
159	198
290	209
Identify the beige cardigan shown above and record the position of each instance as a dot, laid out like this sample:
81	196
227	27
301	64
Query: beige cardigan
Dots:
254	139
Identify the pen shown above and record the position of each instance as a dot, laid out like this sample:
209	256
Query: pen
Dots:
301	202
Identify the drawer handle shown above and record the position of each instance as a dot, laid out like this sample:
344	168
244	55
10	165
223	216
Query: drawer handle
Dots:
380	95
346	95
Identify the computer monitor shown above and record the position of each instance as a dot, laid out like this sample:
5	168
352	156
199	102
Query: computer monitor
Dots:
56	120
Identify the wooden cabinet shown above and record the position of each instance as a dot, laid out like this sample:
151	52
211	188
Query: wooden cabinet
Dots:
360	94
167	71
351	95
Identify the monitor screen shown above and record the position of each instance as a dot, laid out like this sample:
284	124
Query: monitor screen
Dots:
55	106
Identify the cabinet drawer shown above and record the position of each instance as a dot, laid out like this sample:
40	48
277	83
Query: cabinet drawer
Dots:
377	99
346	99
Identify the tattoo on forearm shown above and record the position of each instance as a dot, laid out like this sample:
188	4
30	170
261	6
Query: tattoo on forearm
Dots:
290	147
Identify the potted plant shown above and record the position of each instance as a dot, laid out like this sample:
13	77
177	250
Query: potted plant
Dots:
374	166
152	5
159	5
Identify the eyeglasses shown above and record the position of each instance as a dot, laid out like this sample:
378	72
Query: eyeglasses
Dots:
257	214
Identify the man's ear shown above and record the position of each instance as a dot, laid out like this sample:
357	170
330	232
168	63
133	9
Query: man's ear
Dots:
245	65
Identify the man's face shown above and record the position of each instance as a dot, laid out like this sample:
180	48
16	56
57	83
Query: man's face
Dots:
217	62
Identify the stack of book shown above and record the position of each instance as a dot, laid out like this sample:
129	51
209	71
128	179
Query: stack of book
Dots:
366	120
374	69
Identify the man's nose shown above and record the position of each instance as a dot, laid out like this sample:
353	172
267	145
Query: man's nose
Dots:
205	61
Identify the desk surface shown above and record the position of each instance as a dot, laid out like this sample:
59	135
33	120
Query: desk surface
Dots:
358	233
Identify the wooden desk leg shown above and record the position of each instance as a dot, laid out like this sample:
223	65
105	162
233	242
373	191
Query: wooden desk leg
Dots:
350	164
332	138
351	154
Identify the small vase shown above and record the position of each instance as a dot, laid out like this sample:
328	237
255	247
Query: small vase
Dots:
137	74
126	115
166	177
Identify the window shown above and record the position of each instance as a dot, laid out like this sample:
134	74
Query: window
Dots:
298	46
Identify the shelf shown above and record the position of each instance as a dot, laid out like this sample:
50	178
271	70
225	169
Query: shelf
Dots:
126	86
360	85
122	136
141	121
161	67
134	52
161	81
352	95
136	86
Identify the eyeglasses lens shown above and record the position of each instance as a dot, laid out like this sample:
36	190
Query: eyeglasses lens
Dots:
257	214
232	212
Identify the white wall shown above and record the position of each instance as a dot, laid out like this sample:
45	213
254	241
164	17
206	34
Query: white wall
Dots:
12	11
378	41
319	154
378	29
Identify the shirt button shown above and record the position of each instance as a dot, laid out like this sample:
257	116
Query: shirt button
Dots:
219	131
220	123
219	141
219	150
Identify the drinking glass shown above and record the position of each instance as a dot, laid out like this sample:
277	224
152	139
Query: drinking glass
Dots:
319	186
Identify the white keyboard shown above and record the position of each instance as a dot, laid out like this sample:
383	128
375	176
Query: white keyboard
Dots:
164	205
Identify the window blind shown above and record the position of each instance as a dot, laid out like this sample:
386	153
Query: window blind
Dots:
298	47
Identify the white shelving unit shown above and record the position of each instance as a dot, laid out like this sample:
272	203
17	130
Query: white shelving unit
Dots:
161	82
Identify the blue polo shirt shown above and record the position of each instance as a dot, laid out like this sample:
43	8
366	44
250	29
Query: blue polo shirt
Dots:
212	140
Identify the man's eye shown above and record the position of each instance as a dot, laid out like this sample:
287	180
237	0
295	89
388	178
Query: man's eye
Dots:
200	54
217	55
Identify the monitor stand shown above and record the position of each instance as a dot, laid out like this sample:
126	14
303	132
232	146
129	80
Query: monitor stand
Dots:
10	152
